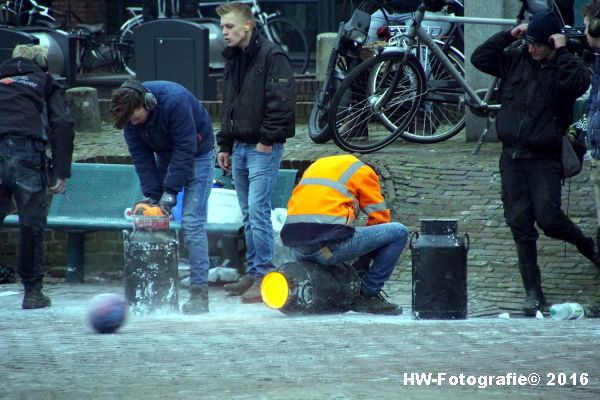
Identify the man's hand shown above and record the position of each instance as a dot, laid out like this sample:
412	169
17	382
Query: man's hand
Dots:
263	148
558	39
223	160
519	31
59	186
167	202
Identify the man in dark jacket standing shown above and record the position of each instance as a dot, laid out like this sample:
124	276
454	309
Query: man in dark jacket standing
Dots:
540	82
33	113
170	138
259	96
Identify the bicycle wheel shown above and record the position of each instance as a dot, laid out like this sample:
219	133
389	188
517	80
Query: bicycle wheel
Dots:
318	128
356	108
288	35
125	49
441	115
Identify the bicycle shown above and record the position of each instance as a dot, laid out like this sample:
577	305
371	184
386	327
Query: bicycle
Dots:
95	50
345	55
26	13
390	88
430	118
125	47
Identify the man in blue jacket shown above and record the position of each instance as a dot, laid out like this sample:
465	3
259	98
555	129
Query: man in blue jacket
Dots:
541	80
170	138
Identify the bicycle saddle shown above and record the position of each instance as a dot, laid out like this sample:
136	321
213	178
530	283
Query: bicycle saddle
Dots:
92	28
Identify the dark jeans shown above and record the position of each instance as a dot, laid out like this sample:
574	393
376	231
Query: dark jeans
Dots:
531	193
22	178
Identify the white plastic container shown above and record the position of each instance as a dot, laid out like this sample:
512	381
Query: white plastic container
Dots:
566	311
223	207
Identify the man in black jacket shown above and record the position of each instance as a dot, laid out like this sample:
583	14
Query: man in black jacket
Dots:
259	97
30	99
540	82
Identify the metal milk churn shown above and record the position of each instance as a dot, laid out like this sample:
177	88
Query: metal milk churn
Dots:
151	270
439	270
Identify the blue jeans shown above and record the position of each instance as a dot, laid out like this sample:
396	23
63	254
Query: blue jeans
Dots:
194	216
385	241
254	176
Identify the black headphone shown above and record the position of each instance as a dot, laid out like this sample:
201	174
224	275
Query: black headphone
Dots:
593	27
41	62
149	99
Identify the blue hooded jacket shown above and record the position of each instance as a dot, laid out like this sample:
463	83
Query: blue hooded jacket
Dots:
163	148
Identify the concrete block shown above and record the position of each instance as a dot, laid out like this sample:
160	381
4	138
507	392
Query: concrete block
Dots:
325	43
83	102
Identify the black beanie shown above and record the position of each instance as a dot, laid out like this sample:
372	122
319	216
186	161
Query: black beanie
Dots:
541	26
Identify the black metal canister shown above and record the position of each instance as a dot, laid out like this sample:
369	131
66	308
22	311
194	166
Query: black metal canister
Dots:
151	270
311	288
439	271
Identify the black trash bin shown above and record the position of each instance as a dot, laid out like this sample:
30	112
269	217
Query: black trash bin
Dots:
175	50
439	271
60	48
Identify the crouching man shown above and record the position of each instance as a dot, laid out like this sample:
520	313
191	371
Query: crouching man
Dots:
319	226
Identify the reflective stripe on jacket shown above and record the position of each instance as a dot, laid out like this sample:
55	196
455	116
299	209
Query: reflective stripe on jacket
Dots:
325	203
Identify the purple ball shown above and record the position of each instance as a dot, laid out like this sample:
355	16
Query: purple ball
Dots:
107	312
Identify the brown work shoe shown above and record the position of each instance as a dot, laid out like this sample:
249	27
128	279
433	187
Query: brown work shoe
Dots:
252	295
240	287
375	304
34	298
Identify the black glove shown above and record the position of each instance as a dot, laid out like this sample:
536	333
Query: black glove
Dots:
167	202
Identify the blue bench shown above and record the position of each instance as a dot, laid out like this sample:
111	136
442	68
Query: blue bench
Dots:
98	194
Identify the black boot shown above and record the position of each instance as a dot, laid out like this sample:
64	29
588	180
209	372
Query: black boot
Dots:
375	304
240	287
532	281
34	298
198	302
588	249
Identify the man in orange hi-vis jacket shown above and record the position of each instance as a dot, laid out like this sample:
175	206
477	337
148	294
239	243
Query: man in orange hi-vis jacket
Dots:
319	226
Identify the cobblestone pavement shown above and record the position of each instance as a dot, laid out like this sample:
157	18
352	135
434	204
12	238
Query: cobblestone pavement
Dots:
241	351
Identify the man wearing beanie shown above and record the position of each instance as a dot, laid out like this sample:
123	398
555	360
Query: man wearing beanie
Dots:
540	82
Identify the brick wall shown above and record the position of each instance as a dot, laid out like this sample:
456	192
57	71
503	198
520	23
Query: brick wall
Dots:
89	11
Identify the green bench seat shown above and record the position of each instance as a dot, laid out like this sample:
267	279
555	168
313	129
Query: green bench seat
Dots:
98	194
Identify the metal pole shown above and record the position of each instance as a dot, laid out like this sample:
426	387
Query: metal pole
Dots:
469	20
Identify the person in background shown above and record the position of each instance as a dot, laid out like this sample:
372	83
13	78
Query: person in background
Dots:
259	99
591	14
33	114
540	83
319	226
170	138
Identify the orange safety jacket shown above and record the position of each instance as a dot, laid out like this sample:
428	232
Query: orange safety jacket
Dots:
328	199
